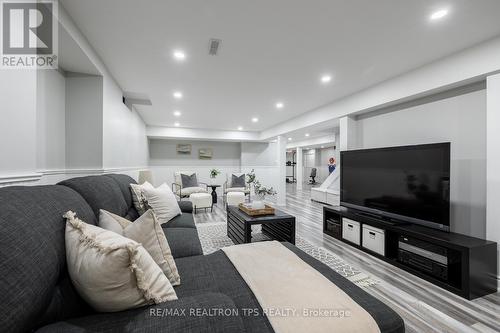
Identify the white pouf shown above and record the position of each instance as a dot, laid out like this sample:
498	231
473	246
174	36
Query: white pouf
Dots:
201	200
235	198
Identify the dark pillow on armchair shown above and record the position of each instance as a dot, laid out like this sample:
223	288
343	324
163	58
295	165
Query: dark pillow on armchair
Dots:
189	181
238	181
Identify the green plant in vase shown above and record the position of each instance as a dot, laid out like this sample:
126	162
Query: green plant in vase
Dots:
251	177
261	192
213	174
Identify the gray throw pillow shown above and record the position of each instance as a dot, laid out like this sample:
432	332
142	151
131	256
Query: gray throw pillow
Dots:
189	181
238	181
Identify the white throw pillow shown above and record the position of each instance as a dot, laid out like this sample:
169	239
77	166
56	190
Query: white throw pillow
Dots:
147	231
138	199
111	272
163	202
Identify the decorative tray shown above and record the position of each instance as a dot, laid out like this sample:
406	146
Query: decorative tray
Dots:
247	208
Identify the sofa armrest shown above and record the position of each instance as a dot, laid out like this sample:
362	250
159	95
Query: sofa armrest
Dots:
183	315
185	206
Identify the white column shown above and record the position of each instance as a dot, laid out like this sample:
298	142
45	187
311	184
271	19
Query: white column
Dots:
299	167
493	160
348	135
281	160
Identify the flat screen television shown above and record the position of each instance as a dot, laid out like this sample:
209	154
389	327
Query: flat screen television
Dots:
407	184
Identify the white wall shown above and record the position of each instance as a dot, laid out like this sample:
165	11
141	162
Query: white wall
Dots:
123	132
460	120
309	156
18	125
67	126
493	160
259	154
228	157
51	120
164	152
84	128
164	160
125	144
263	159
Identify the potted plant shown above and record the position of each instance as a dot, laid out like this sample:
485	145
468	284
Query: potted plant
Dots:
213	174
251	177
260	191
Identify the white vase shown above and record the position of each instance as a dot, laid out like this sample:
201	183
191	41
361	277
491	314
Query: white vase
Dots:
258	204
212	181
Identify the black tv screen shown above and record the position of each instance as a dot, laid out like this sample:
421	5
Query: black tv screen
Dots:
409	184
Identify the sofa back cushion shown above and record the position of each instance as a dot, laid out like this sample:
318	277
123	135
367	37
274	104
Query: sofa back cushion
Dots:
124	182
36	288
108	192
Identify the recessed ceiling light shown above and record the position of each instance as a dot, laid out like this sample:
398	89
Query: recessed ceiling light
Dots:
326	78
255	119
177	113
179	55
322	146
439	14
289	139
307	134
176	124
177	94
240	128
279	105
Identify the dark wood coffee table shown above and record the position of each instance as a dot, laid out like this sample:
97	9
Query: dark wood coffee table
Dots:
280	226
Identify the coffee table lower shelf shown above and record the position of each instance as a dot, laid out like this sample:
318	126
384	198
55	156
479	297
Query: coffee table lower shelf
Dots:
280	226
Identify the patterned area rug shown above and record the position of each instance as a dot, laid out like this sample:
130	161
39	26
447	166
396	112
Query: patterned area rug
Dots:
213	237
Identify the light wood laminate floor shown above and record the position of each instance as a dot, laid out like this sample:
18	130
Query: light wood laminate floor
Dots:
423	306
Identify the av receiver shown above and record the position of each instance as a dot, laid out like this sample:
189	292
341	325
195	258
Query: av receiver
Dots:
425	257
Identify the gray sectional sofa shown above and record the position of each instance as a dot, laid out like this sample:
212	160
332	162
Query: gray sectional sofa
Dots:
37	294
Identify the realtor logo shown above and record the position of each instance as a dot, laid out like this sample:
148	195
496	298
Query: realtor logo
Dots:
29	34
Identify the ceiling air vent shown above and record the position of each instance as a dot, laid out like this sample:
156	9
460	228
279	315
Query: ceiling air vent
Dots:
214	46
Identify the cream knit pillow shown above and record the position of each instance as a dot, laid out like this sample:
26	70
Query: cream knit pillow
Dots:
111	272
147	231
163	202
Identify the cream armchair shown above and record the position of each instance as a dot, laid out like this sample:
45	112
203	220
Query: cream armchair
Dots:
228	185
185	191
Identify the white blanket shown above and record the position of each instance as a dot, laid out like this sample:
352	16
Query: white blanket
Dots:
294	296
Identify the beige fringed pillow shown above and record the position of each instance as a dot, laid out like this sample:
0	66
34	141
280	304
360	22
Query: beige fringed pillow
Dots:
111	272
147	231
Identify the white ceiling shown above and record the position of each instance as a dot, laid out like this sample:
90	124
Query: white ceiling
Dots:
271	51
